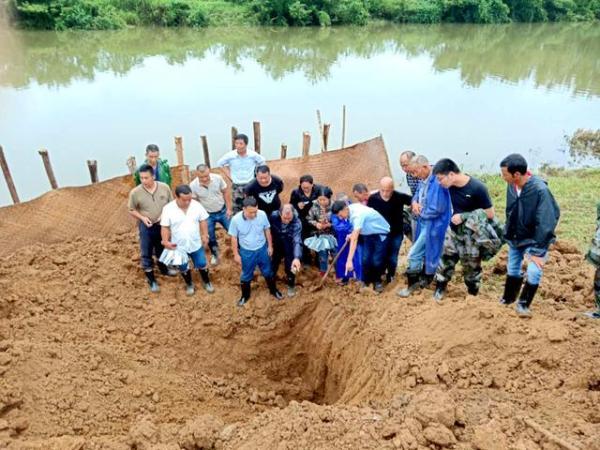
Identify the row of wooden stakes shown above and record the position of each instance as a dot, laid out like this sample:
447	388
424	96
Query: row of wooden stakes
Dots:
132	165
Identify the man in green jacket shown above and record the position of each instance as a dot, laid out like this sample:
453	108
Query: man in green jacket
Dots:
162	171
593	256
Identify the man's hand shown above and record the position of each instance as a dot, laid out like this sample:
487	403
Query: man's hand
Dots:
456	219
146	221
296	265
300	205
416	209
169	245
537	260
349	266
229	213
319	226
237	258
270	250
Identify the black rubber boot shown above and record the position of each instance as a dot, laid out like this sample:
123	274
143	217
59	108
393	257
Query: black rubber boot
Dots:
426	280
208	287
152	281
163	269
189	286
413	281
273	288
472	288
291	285
512	286
245	293
440	290
525	299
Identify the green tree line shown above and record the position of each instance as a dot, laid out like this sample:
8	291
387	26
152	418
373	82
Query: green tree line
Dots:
116	14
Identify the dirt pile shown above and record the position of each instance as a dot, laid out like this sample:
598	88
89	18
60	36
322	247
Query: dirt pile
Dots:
89	359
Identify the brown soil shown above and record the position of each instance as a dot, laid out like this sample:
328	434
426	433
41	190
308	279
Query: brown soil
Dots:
90	360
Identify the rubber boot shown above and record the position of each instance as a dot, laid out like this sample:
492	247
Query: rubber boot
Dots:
245	285
595	314
152	282
166	271
472	288
189	285
214	258
440	290
206	284
525	299
291	285
512	286
426	279
273	288
413	284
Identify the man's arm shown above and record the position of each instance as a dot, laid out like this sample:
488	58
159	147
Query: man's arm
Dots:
165	234
204	232
135	213
353	242
235	250
227	196
269	241
490	213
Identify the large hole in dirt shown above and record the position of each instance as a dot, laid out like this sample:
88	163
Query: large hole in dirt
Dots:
310	352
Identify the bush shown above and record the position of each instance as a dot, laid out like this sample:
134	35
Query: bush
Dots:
476	11
422	11
351	12
299	14
527	10
324	19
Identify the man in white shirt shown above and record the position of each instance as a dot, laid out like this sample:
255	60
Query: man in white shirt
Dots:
211	190
184	231
239	166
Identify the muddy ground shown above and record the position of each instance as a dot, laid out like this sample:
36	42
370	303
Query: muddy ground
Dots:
89	359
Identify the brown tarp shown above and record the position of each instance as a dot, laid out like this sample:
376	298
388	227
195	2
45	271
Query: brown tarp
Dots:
100	209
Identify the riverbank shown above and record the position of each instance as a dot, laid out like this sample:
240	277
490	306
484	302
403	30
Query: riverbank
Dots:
116	14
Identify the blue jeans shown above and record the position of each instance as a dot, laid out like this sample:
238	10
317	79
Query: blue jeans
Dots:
393	244
323	259
198	258
515	262
373	255
253	258
416	255
150	245
213	219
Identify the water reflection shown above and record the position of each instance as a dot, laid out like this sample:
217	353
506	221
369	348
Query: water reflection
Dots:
552	55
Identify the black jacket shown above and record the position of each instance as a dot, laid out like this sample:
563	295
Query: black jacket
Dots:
287	236
532	217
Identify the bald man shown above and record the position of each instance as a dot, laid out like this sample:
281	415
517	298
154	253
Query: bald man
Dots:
390	204
286	229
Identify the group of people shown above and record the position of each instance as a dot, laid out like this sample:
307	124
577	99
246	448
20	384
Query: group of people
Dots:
447	215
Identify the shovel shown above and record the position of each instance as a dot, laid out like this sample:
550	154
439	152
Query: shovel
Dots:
331	266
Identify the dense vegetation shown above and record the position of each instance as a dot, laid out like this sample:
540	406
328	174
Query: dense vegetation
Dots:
113	14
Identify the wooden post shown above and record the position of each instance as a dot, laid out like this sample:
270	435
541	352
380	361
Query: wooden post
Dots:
256	128
283	151
305	144
205	150
179	150
93	168
46	160
131	165
8	177
326	136
343	126
322	139
234	133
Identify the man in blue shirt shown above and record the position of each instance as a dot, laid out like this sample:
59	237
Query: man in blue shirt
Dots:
252	246
239	165
370	230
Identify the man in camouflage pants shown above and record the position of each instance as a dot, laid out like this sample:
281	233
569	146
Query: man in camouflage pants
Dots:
470	200
593	256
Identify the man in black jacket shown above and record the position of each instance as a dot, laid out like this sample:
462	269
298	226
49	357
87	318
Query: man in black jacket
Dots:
531	217
286	230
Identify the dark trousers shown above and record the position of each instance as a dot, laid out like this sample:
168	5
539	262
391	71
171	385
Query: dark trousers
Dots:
373	256
150	244
284	250
392	248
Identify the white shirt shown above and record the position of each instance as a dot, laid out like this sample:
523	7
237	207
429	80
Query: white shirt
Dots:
211	196
184	225
241	167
